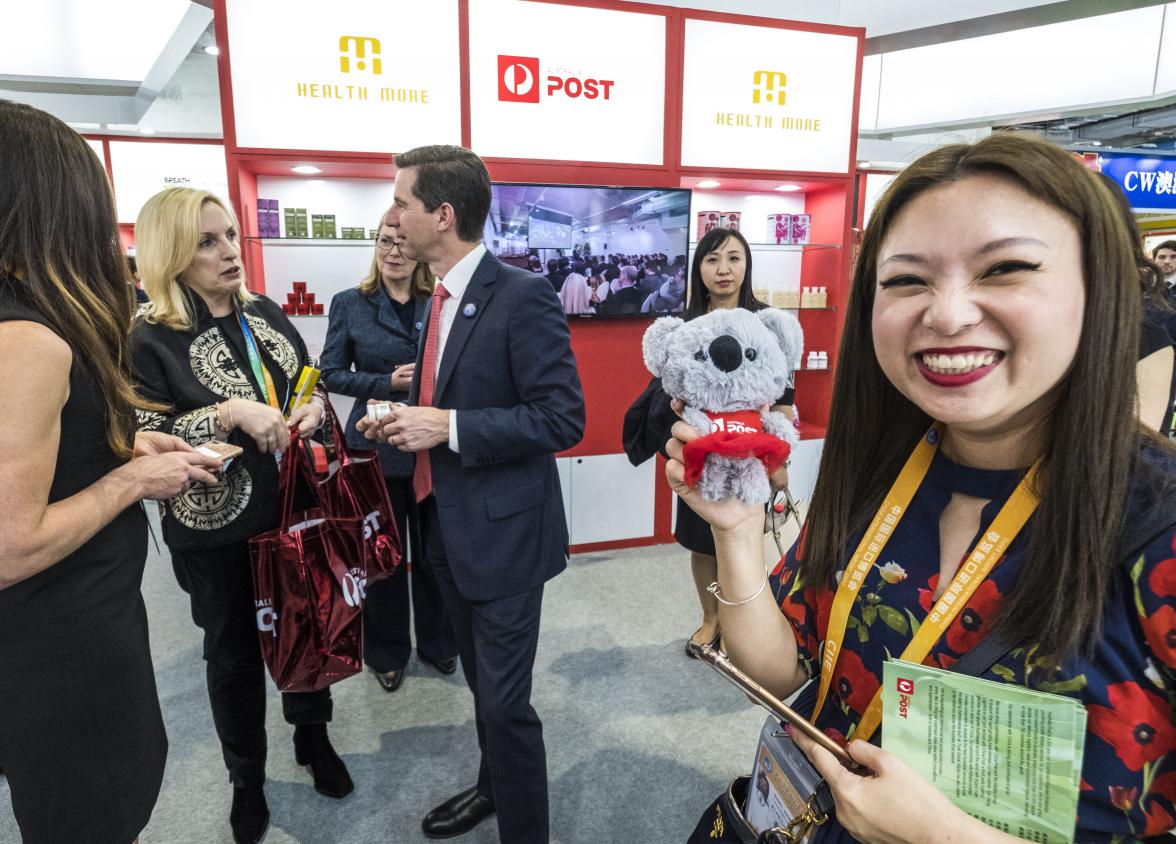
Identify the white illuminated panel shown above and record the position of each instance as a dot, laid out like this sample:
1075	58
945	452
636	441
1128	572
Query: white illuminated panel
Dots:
81	39
596	93
1103	59
142	170
97	147
763	98
355	76
1166	68
871	82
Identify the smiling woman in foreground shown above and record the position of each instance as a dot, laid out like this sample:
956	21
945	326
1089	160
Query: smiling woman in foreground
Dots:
991	334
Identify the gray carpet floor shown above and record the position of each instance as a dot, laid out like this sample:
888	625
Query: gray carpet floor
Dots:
639	738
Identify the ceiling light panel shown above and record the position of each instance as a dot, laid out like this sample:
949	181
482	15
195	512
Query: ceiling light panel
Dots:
81	39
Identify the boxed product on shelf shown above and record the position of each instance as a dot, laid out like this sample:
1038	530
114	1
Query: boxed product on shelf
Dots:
316	225
779	299
730	220
800	227
792	299
316	310
708	221
301	222
779	228
329	226
762	294
291	223
373	233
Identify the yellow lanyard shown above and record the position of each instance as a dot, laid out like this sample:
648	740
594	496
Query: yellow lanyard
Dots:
972	572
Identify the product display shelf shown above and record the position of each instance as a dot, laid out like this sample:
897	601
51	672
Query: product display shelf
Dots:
311	241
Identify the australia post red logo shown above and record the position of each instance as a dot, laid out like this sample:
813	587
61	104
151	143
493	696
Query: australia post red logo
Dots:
906	690
519	81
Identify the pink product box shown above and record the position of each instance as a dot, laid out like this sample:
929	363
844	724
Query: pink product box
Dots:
275	227
800	227
730	220
273	205
707	221
779	228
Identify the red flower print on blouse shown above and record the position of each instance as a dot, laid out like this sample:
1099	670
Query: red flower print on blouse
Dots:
853	683
926	596
1123	798
798	614
970	625
1162	580
1159	820
1159	629
1137	724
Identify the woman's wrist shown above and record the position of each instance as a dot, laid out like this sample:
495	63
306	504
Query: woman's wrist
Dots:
223	417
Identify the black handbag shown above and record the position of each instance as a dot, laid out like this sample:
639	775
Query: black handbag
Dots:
647	424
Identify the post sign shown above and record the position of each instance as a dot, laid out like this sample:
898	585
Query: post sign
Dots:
347	76
569	83
765	98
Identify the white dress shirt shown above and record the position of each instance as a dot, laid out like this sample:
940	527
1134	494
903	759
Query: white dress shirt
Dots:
456	281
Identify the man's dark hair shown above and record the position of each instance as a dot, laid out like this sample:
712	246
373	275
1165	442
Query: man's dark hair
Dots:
1167	244
454	175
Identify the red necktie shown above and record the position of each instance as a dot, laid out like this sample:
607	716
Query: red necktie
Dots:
422	476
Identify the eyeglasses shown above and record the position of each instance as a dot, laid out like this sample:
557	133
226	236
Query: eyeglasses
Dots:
385	243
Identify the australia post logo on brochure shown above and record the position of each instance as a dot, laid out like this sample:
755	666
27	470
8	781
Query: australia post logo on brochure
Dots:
906	690
519	81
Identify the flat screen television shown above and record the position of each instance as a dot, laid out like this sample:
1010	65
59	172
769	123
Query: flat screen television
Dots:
606	251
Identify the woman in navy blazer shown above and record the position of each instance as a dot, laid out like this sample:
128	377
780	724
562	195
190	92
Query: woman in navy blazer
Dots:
369	353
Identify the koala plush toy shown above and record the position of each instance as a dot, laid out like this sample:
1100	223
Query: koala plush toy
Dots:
728	367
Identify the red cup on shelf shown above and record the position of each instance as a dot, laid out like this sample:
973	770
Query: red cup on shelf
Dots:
303	309
308	298
317	310
293	298
300	287
290	309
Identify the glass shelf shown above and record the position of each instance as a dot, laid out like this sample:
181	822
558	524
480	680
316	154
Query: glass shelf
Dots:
312	241
782	247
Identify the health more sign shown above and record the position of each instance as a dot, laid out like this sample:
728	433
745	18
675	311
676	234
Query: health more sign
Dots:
767	98
351	75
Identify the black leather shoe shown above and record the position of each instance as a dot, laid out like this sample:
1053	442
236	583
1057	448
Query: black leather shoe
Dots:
458	815
313	749
446	666
249	816
713	643
390	680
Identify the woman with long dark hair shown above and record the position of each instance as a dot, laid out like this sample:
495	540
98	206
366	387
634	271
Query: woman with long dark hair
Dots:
720	277
370	353
81	736
987	380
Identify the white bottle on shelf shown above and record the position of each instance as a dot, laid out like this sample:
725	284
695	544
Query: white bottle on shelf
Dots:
822	297
810	360
822	360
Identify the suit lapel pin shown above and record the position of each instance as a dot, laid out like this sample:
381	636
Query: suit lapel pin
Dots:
418	325
469	310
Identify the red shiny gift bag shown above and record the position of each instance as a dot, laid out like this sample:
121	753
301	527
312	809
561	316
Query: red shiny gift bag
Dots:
354	486
308	579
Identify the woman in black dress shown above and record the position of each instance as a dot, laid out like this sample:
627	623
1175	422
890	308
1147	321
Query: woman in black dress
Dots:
81	737
370	353
720	277
225	363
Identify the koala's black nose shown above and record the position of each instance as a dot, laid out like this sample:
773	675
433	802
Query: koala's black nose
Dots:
726	352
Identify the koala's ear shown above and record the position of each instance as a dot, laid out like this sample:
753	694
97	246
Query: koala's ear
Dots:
787	331
655	345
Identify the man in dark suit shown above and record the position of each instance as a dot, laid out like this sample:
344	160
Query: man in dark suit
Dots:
495	394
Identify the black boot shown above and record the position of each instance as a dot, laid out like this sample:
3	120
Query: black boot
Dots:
249	816
312	748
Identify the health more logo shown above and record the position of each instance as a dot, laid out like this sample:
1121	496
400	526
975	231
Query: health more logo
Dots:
768	87
360	50
518	82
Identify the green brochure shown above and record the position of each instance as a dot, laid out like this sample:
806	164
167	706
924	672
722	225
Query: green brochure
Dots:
1007	755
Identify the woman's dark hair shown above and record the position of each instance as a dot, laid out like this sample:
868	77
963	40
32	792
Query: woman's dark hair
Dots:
454	175
1092	439
59	239
698	300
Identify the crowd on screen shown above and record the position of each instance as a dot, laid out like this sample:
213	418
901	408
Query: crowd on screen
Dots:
615	284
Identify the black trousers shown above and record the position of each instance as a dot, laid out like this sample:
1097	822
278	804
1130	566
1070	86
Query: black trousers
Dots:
388	611
497	641
220	585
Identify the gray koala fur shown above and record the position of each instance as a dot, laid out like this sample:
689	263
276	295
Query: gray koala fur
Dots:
672	348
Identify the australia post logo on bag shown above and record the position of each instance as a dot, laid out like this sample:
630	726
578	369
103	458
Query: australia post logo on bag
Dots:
265	616
519	82
354	586
906	690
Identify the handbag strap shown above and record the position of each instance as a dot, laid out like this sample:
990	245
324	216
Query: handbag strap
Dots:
296	461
